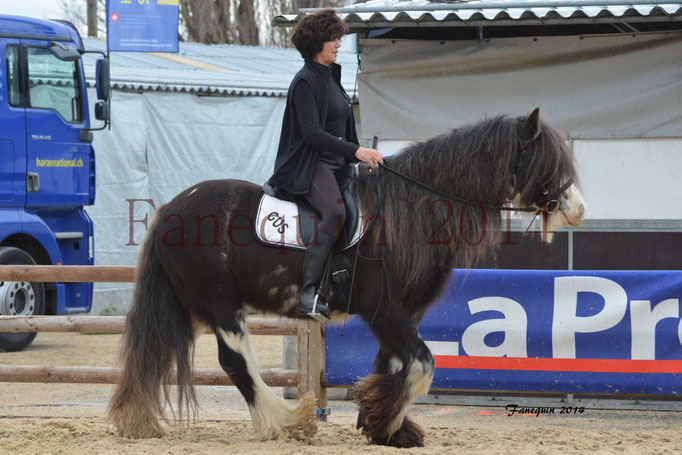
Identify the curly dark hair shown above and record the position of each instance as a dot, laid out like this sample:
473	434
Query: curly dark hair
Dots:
312	31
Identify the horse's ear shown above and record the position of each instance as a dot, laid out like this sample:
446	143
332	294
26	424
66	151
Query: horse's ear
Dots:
531	126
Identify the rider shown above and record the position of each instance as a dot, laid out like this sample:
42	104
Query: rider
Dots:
318	138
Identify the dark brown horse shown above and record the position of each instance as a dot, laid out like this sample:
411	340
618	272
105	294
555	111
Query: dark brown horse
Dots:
201	266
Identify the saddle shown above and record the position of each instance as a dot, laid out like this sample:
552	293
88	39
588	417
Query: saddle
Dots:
290	222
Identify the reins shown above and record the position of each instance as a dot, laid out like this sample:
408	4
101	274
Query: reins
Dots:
457	198
548	207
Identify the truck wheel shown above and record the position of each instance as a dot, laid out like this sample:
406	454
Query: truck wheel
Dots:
19	298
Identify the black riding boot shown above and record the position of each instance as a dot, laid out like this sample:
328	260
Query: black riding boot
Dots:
314	262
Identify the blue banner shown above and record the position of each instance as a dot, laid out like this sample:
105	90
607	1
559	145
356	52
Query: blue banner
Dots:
607	332
142	25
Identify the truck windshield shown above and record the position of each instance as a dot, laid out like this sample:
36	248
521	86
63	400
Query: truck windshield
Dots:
54	84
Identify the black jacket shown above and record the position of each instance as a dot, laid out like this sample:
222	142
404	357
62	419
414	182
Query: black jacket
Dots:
295	161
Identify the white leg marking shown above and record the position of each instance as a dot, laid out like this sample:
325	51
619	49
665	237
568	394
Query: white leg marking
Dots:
395	365
419	378
272	416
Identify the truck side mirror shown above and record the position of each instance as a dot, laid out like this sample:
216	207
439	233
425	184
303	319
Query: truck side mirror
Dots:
103	81
102	111
63	52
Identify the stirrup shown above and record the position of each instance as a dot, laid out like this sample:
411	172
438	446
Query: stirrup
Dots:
319	317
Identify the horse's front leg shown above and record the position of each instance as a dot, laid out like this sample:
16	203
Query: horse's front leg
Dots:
403	371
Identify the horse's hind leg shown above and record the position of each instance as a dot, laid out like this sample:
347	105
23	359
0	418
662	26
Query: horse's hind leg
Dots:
404	370
272	416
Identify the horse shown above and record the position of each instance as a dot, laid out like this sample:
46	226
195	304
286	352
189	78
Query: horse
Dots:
191	278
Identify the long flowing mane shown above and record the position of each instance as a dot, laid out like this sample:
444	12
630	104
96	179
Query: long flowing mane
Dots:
475	162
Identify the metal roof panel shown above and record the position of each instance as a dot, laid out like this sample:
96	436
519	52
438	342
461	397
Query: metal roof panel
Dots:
383	13
211	69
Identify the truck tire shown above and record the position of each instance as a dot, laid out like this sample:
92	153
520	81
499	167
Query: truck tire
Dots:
19	298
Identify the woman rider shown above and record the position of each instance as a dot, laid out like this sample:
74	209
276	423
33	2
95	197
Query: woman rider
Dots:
318	138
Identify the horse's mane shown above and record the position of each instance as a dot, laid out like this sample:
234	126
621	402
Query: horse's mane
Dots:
474	162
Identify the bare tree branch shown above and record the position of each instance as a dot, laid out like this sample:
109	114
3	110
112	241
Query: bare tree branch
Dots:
215	21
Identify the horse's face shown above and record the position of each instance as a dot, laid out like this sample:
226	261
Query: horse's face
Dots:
571	212
550	173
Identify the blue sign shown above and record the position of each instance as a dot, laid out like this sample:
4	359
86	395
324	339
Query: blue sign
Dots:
142	25
608	332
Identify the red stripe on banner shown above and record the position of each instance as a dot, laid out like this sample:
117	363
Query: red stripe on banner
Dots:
542	364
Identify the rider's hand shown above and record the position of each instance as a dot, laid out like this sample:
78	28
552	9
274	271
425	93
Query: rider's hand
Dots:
369	156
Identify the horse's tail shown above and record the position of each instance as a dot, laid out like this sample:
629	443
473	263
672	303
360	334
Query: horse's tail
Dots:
158	334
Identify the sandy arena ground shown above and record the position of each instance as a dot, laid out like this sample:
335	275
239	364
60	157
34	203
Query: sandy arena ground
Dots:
70	419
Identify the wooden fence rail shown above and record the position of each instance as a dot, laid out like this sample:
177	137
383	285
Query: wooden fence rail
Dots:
108	375
115	324
311	349
68	273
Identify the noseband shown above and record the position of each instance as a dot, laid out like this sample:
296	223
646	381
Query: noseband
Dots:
547	202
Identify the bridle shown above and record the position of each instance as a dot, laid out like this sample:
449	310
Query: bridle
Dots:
547	203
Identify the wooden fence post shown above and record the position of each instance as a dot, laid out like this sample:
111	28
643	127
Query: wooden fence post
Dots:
311	363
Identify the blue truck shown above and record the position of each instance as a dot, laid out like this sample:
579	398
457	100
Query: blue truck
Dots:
47	164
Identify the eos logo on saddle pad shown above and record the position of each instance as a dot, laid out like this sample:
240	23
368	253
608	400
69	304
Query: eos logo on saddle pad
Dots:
277	223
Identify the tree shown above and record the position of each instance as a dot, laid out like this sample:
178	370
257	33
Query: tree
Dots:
77	13
215	21
241	21
92	18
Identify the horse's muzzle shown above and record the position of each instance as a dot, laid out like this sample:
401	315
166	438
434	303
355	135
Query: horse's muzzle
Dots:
575	217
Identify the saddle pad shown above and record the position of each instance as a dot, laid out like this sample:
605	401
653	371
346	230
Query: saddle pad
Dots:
276	224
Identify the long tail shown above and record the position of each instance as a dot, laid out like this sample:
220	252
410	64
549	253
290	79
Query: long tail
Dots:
158	335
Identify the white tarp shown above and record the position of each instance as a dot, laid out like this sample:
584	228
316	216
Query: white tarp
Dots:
588	87
160	144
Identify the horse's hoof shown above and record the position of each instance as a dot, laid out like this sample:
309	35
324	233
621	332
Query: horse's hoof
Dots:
408	435
282	421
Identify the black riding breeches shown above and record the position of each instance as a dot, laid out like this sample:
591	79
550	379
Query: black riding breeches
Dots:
325	197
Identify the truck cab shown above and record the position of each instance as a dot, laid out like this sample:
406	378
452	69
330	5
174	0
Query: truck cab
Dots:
47	165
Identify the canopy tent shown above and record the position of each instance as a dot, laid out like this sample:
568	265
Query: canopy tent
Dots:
210	112
607	73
